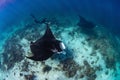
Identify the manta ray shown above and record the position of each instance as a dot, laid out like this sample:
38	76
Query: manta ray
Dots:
46	46
86	24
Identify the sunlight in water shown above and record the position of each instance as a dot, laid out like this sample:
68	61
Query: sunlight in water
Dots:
4	2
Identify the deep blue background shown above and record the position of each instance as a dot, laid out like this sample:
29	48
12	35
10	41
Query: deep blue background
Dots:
104	12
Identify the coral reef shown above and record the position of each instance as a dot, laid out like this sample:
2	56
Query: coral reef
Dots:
70	67
12	53
87	57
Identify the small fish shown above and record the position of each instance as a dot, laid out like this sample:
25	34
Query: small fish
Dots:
46	46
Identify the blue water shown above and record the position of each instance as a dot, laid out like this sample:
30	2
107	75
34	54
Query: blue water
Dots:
15	14
104	12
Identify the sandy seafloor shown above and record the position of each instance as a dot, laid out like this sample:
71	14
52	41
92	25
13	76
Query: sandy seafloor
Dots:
93	55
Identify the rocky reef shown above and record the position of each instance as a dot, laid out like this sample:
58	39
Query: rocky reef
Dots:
87	57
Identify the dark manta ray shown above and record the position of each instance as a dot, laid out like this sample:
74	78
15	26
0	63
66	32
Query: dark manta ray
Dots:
85	23
46	46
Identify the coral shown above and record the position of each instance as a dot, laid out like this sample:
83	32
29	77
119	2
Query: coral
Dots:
25	66
12	52
105	47
70	67
89	71
110	62
30	77
87	57
46	68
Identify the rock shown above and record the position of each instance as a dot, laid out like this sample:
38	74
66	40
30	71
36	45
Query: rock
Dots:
46	68
89	71
81	76
12	50
70	67
30	77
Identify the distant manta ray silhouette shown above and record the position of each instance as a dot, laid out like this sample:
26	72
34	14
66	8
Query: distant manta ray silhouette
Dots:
85	23
46	46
